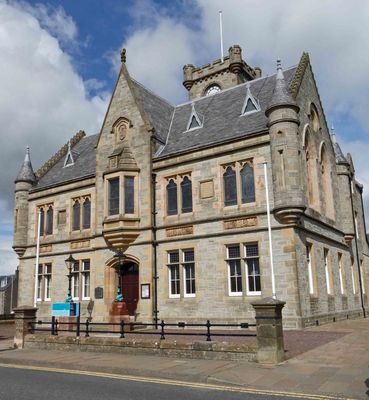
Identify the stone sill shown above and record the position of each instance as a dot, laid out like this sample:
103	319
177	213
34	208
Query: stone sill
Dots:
197	349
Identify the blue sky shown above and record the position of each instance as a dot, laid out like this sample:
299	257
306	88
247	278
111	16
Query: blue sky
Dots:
59	61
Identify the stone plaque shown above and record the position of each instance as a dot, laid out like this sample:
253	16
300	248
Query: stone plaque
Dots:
206	189
179	231
62	217
80	244
99	292
240	223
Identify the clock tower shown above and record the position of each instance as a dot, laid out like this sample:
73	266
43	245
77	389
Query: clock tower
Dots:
220	75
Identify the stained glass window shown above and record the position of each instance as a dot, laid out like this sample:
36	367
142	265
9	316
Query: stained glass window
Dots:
114	196
49	222
76	215
86	213
230	188
247	184
186	188
129	195
172	198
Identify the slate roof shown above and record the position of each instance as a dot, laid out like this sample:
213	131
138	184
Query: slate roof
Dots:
84	165
26	173
340	158
158	110
221	116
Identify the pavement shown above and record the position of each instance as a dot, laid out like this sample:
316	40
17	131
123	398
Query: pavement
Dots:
339	367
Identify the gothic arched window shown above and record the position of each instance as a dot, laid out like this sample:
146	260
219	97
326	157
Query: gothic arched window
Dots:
42	222
230	187
186	190
172	208
76	216
327	195
86	213
49	220
247	184
311	172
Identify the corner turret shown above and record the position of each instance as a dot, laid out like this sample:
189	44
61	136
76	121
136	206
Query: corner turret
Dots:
283	123
25	180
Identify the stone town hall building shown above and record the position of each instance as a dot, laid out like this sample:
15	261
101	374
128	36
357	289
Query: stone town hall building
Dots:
181	190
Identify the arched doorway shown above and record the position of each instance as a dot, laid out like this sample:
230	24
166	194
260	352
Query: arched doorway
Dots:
129	285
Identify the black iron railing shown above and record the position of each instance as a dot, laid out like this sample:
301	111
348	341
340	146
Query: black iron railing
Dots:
6	317
86	328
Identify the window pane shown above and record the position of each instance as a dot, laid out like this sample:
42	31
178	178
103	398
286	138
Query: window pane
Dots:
186	188
42	222
253	272
50	217
235	276
194	123
86	265
129	195
86	284
250	106
114	196
86	214
174	280
252	250
247	184
173	257
188	255
172	197
75	285
234	252
76	216
190	278
230	189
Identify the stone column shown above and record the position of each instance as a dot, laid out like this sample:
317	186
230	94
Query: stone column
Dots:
269	330
23	316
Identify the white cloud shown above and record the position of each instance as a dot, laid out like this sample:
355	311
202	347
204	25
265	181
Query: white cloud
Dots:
43	100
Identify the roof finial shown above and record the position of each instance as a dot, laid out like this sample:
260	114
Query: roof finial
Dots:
279	69
123	57
333	134
27	156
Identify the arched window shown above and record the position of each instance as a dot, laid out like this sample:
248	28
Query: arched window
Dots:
314	118
42	222
76	216
172	198
186	189
49	222
311	172
327	195
247	184
86	213
230	187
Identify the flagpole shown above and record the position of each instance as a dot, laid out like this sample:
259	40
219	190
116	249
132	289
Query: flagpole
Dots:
37	256
269	231
221	36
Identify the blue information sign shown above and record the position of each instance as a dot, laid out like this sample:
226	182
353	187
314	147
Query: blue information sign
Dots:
65	310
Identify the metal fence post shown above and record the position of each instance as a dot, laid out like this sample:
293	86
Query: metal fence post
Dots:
78	328
122	328
53	325
208	325
162	324
87	325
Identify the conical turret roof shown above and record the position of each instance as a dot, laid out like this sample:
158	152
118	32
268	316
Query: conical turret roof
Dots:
26	173
281	95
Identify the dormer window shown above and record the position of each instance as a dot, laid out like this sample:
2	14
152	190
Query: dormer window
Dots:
69	160
194	122
212	89
250	104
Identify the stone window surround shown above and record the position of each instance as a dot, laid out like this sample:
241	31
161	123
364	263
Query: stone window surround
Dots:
44	280
182	274
341	273
81	200
312	274
121	175
81	273
45	207
237	167
327	262
245	289
177	178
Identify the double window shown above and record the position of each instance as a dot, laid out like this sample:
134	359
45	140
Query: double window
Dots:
238	183
121	195
181	267
243	260
328	272
179	188
46	219
44	276
81	213
81	280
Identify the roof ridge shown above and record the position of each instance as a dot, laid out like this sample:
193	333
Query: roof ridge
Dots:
59	154
233	87
153	93
297	79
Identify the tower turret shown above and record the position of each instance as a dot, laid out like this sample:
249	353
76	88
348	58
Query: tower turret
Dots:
283	122
24	181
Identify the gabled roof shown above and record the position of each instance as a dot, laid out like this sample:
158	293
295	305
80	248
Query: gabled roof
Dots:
84	165
158	110
222	114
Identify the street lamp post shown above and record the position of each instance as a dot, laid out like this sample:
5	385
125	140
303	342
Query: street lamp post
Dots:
69	262
120	256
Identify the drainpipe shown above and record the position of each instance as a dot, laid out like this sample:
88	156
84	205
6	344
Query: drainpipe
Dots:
356	247
154	245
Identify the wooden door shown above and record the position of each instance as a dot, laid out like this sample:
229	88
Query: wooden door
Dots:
130	287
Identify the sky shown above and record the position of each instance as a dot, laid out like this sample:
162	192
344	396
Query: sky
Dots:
59	62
